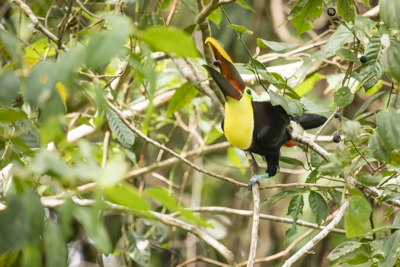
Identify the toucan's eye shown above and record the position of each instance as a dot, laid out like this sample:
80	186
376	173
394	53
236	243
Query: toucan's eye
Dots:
248	91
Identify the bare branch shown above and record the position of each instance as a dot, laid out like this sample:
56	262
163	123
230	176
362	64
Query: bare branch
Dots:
35	21
319	236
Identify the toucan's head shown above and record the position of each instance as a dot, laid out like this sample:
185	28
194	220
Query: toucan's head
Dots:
229	80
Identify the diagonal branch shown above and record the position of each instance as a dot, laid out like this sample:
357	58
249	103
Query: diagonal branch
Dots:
319	236
35	21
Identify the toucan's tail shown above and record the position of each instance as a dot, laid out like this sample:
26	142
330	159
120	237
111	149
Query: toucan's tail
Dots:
310	121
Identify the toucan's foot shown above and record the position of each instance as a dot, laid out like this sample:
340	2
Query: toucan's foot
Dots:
256	179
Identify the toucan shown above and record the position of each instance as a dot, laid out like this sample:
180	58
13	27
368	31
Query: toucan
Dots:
257	127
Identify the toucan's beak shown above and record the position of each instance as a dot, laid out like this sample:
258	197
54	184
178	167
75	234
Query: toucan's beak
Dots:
229	80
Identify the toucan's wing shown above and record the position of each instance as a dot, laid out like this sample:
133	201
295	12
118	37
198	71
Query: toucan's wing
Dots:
270	124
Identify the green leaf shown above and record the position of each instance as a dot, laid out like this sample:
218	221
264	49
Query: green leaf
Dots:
352	129
390	248
389	13
367	103
391	59
12	115
27	133
9	87
373	66
268	77
388	122
281	195
138	248
94	227
121	131
318	206
306	86
241	29
295	106
343	35
8	259
367	179
312	9
346	54
170	40
345	9
361	206
353	225
243	4
162	195
378	149
54	245
343	97
292	161
107	43
126	195
358	259
295	208
215	17
278	100
183	95
41	46
277	47
113	171
382	229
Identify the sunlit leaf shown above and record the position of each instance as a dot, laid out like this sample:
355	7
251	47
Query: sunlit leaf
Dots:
183	95
239	28
170	40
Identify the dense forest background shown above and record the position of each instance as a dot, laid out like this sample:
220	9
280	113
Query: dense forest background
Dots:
112	153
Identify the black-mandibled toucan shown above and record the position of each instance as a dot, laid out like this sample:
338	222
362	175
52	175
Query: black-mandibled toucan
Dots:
257	127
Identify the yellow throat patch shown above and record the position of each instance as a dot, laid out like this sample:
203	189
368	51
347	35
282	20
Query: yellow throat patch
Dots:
239	121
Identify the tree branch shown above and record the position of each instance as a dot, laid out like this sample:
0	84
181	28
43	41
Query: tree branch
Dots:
319	236
28	11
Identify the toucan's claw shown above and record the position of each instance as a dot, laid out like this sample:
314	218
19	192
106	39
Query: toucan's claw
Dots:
256	179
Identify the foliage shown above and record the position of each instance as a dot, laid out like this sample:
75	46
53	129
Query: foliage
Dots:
76	179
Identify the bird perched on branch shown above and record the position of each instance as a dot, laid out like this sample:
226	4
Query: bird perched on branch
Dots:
257	127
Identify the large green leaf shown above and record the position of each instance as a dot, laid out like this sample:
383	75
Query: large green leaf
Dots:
278	100
388	122
361	206
277	47
318	206
170	40
353	225
389	13
346	9
183	95
121	131
126	195
391	249
373	66
343	249
295	209
378	149
343	97
346	54
104	45
55	246
9	87
367	103
343	35
312	9
391	59
367	179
